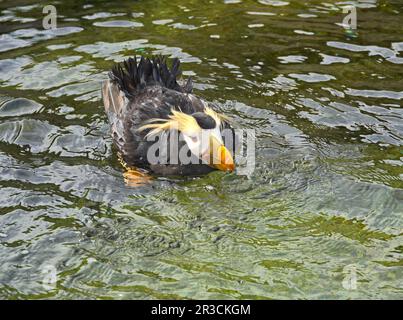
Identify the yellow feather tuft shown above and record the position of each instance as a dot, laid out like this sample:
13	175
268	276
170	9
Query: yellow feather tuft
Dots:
177	121
157	128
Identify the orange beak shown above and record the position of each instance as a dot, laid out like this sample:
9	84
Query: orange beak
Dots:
220	157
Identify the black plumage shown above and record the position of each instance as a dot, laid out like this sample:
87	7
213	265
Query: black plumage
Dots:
138	91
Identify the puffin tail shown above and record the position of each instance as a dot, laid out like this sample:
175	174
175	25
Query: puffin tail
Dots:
132	77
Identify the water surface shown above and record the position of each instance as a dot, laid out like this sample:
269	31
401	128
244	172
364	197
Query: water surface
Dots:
323	205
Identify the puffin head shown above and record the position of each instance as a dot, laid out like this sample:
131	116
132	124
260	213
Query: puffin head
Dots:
202	132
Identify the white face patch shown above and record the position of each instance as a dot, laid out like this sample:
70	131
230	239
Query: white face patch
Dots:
199	144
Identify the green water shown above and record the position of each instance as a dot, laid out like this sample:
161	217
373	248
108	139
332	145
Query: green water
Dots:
321	215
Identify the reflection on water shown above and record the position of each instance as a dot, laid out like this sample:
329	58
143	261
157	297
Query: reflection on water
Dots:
326	196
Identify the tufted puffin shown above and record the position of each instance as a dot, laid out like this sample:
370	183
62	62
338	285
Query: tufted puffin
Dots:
145	103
